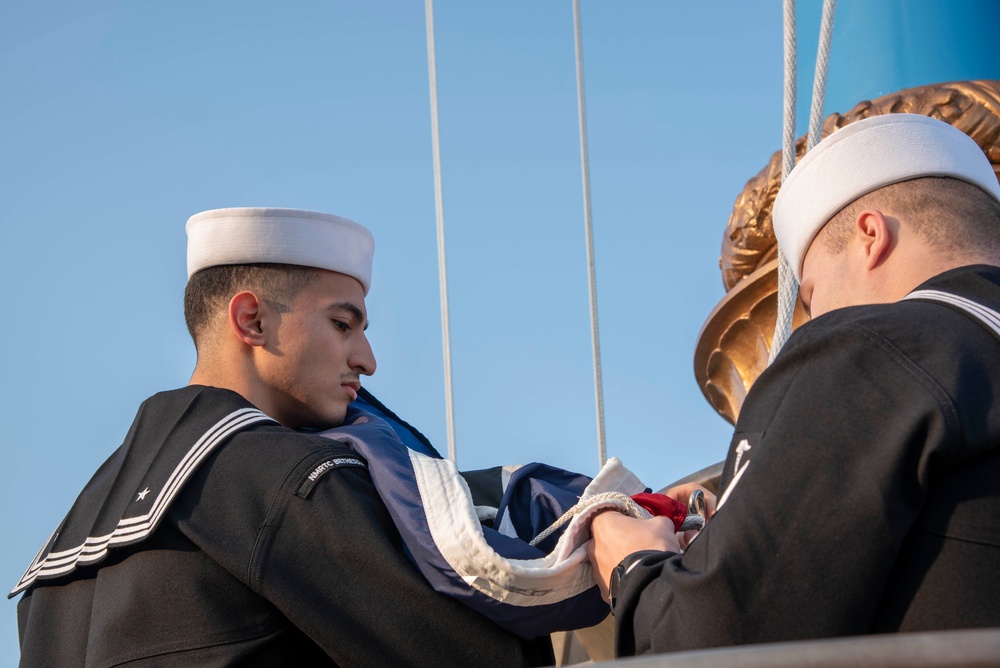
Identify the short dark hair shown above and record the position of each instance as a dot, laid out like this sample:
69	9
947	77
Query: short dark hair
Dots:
953	215
208	292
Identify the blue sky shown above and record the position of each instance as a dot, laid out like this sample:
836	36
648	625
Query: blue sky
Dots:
122	119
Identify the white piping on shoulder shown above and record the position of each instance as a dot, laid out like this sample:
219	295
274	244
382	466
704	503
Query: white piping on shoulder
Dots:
987	316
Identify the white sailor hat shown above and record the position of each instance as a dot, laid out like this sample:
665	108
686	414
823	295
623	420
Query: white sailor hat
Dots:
865	156
250	235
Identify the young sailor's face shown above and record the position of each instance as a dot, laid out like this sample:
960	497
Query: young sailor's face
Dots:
317	351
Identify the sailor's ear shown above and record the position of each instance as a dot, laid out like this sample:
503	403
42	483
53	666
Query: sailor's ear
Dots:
246	316
876	233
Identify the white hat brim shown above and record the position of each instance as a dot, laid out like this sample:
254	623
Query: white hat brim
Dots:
249	235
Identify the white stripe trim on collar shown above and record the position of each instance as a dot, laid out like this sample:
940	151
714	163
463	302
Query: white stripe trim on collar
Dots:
131	529
987	316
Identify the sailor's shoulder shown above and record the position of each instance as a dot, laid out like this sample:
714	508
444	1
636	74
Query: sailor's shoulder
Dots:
271	456
270	442
904	324
879	315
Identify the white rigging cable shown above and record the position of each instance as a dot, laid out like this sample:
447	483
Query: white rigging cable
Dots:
788	288
595	336
439	208
790	92
819	78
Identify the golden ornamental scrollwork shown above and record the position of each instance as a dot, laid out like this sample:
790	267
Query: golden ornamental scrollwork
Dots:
733	346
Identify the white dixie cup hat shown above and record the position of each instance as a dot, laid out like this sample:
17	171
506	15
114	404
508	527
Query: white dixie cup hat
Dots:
248	235
865	156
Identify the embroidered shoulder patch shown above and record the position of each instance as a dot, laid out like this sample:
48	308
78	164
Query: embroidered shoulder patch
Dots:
320	470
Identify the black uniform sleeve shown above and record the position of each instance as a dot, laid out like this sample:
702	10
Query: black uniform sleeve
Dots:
316	541
836	441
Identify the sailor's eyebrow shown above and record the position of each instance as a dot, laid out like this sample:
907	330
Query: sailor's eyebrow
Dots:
353	310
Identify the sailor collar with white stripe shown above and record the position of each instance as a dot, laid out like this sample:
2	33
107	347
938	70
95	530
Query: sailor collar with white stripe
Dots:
110	514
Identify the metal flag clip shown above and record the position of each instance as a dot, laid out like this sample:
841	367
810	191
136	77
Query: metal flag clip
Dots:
697	512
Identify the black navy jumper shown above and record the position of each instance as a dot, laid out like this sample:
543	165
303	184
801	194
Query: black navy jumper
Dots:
865	489
198	543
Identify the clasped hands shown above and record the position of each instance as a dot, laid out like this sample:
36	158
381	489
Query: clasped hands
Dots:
614	536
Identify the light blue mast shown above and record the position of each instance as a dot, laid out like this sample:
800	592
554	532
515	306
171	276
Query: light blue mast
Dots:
882	46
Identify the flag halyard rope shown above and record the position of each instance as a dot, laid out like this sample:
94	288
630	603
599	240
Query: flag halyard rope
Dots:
439	209
595	336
